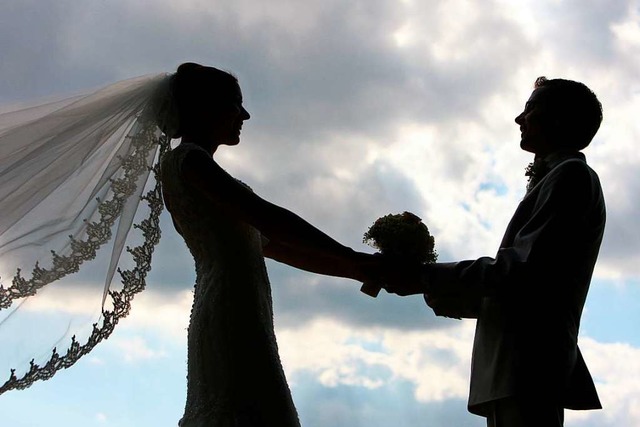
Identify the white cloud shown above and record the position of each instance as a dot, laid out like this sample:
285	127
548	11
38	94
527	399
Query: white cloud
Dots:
96	361
167	314
436	362
155	310
136	349
78	299
627	31
616	369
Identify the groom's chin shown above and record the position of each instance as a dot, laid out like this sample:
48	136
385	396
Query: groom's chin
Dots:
524	146
233	141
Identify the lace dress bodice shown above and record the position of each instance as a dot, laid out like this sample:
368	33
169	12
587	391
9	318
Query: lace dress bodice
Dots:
235	377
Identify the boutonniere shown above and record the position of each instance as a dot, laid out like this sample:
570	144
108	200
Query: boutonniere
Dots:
535	170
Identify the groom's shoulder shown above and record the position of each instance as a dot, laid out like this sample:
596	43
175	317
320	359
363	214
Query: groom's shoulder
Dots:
574	169
572	181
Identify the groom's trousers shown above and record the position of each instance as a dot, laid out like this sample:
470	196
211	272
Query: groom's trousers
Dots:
514	412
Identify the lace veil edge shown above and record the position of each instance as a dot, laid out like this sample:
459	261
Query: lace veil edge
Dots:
72	172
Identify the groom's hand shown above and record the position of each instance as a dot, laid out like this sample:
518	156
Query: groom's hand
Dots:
453	306
384	271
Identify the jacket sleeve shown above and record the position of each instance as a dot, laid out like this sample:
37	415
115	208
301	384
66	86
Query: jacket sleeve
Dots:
543	241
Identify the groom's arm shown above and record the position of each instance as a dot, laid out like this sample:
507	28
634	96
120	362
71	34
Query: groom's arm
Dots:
454	307
447	305
543	252
428	280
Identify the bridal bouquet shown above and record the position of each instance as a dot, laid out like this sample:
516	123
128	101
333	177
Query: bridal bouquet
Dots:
400	235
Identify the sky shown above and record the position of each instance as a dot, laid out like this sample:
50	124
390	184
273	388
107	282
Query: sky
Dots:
359	109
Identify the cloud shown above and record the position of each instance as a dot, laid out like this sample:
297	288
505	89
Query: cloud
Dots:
300	298
617	160
435	362
343	406
389	110
615	368
166	315
28	31
574	23
136	349
359	109
338	107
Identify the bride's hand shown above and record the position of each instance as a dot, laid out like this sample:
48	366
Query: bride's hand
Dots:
367	267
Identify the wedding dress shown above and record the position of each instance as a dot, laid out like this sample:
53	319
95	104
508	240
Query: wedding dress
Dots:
235	376
75	173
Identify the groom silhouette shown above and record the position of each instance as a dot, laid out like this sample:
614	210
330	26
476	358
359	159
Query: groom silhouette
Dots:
528	299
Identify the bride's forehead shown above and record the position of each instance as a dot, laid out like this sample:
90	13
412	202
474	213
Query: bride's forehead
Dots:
227	90
232	91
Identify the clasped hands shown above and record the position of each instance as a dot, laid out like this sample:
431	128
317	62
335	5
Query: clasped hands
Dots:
403	277
396	275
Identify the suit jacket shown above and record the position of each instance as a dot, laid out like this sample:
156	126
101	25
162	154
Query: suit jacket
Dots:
528	299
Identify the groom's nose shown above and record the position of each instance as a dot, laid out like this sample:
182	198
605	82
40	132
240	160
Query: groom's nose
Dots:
518	119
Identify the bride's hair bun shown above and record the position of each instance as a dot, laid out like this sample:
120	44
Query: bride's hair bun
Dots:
188	67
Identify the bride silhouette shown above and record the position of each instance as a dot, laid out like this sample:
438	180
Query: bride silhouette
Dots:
74	173
235	376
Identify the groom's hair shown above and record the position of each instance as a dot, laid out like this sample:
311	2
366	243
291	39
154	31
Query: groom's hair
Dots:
575	108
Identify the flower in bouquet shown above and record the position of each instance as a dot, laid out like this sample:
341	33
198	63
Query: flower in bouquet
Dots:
402	235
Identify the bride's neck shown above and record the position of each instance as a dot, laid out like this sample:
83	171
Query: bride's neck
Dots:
211	147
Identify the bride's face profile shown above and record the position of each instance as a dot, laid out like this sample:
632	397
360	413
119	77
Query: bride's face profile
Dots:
209	104
226	122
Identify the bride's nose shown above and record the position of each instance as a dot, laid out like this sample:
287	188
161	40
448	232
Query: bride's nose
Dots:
244	114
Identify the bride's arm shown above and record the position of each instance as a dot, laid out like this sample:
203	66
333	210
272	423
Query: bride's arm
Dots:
357	265
292	239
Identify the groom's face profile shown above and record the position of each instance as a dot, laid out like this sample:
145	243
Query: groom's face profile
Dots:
534	124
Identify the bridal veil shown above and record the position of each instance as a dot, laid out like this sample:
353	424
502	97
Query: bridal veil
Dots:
73	174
